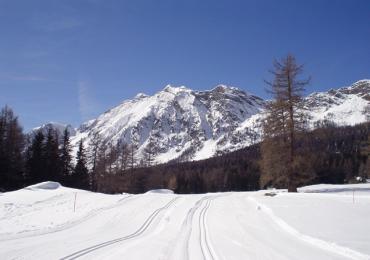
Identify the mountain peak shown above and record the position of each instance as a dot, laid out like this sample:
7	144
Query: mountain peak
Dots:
140	96
361	82
188	125
362	85
175	89
360	88
224	88
58	127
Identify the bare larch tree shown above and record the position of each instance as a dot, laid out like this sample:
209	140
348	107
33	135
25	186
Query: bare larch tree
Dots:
285	117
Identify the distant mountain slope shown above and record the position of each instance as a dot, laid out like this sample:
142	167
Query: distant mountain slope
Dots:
192	125
58	127
344	106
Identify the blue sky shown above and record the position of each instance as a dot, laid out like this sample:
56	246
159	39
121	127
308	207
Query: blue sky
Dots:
68	61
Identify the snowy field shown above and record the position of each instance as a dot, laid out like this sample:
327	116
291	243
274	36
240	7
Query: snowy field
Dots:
320	222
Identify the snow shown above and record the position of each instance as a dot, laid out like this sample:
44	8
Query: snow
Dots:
320	222
47	185
178	118
189	125
58	127
338	188
348	112
175	90
209	147
172	154
162	191
141	95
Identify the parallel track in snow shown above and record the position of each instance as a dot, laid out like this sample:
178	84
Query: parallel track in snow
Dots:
135	234
188	225
182	243
205	244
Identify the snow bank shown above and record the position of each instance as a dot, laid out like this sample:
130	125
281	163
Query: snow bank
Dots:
336	188
48	207
161	191
47	185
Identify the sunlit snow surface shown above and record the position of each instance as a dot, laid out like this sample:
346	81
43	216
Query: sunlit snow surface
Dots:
320	222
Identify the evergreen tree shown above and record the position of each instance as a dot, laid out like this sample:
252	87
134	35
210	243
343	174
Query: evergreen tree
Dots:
11	147
81	173
52	157
36	159
95	145
65	157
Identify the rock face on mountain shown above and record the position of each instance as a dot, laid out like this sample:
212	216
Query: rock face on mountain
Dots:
344	106
184	124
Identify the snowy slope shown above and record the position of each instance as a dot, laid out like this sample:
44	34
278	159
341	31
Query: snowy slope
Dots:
184	124
345	106
192	125
320	222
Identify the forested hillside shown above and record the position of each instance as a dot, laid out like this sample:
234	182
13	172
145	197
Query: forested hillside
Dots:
330	154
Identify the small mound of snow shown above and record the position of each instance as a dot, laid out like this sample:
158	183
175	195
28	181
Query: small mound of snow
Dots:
47	185
335	188
162	191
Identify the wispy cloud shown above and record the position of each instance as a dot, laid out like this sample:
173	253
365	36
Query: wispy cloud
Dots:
23	78
55	22
64	23
31	54
88	105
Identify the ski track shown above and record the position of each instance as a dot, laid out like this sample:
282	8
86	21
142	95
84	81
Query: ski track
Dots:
316	242
186	230
198	237
205	246
135	234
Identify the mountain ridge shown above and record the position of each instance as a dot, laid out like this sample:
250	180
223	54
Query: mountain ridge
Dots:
187	124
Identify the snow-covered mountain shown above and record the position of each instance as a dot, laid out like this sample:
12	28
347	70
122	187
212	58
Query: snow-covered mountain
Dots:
58	127
191	125
344	106
184	124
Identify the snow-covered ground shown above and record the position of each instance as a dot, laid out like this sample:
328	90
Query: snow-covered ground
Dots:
320	222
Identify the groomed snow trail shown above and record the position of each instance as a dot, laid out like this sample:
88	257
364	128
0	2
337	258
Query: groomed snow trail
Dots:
205	244
135	234
164	226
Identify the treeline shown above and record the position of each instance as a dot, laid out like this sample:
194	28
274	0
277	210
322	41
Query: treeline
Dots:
45	156
11	151
25	160
329	154
236	171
